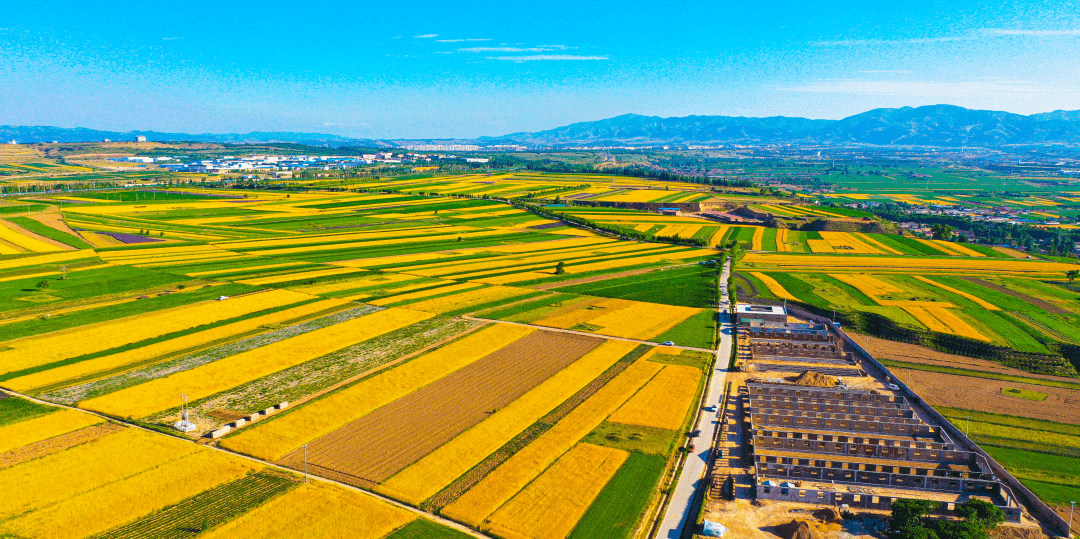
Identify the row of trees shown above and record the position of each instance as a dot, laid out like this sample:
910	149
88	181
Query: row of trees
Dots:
977	518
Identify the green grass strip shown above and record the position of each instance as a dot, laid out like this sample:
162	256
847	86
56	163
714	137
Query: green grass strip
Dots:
423	528
50	232
14	410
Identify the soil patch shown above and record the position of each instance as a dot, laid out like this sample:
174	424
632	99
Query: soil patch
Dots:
982	394
913	353
55	445
378	445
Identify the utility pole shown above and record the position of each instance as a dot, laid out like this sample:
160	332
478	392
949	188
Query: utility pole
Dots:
1071	506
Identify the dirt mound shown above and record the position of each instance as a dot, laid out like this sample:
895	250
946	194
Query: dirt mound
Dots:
827	515
815	379
800	528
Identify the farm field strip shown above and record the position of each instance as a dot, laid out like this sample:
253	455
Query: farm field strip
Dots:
317	510
394	436
179	344
160	394
440	468
664	402
278	436
551	506
48	348
44	427
504	482
108	384
307	381
119	502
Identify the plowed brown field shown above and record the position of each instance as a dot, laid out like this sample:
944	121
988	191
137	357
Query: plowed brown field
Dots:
968	392
913	353
378	445
35	450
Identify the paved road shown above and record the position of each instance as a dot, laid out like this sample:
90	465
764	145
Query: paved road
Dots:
587	334
682	509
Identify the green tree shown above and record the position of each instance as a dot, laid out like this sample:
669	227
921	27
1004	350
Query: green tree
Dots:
1072	275
43	284
906	519
941	231
983	513
560	268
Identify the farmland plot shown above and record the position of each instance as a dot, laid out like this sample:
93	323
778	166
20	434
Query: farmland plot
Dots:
378	445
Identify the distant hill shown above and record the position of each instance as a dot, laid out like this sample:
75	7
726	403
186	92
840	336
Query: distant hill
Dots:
935	125
32	134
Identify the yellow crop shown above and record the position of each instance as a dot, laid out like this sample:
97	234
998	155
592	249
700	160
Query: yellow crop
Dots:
551	506
297	276
43	349
44	427
781	240
642	320
820	246
27	240
663	402
120	502
941	320
524	261
178	344
452	287
361	280
371	243
879	264
339	238
59	476
867	285
525	465
440	468
248	268
276	437
467	298
877	244
759	237
317	510
776	288
65	256
842	242
958	248
162	394
982	303
673	256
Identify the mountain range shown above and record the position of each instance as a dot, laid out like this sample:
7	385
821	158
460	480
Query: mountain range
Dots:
935	125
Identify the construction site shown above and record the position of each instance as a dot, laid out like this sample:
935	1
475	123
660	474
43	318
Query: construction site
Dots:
817	439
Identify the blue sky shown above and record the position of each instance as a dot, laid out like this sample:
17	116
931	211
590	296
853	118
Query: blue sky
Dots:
464	69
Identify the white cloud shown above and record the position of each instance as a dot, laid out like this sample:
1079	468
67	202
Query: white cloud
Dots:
886	71
163	39
540	57
462	40
426	36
